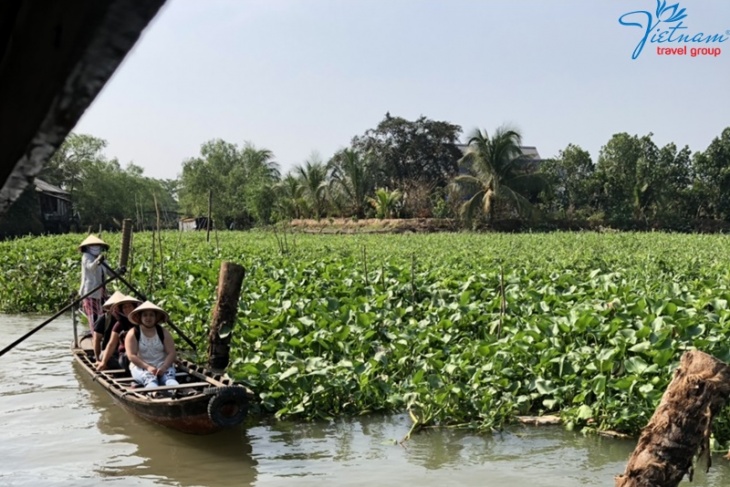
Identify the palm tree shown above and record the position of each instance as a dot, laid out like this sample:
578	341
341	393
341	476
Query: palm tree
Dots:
494	174
385	202
290	197
352	178
314	176
260	162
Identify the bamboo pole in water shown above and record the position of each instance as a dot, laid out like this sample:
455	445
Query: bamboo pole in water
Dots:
681	425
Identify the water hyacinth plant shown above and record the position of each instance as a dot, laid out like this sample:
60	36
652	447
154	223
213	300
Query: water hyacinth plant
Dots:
458	329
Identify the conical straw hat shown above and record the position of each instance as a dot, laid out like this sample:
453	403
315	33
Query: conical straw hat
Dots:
147	305
125	299
92	240
113	299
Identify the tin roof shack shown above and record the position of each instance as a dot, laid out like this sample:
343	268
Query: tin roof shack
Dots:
41	208
199	223
55	207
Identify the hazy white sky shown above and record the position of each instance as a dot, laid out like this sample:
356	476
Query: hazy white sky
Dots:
308	75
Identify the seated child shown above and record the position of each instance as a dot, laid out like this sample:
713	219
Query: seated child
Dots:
104	324
114	352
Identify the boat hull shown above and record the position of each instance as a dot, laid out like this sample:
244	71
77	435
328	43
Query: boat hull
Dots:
204	403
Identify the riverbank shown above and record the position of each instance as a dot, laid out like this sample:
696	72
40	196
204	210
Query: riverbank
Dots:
346	226
374	225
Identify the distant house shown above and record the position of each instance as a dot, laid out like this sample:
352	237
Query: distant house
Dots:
55	207
531	161
199	223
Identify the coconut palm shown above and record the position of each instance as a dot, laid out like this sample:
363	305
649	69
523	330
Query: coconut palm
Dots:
260	162
290	197
493	170
314	178
352	178
385	202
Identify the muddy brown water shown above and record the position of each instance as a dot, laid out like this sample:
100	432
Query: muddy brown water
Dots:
60	428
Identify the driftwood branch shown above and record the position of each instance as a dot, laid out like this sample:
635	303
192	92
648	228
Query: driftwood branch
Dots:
681	426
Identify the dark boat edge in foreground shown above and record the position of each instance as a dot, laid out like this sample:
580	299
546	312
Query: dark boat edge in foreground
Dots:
203	403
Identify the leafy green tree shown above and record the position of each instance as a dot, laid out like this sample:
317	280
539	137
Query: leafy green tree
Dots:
572	182
712	178
102	193
674	195
255	180
241	181
494	172
639	181
68	165
617	172
406	150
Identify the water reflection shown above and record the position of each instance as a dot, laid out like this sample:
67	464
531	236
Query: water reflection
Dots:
435	450
166	456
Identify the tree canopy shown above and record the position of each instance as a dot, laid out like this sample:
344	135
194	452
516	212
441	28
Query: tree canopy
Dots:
400	169
406	150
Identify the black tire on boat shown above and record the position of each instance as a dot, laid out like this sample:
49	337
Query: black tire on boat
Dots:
228	406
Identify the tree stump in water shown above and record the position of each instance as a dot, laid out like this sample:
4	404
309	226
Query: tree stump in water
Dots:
230	280
681	425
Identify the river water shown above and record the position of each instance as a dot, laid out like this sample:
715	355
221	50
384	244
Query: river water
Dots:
60	428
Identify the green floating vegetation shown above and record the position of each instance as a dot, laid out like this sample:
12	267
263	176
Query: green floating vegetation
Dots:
585	325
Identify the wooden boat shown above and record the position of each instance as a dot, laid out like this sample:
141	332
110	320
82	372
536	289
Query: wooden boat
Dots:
203	403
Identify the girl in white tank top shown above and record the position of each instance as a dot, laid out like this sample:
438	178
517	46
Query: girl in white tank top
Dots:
151	359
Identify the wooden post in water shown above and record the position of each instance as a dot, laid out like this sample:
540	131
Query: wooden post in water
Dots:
230	280
126	239
681	425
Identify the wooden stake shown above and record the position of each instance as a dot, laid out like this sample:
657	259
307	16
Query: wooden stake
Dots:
151	277
210	213
131	258
179	239
413	278
140	219
126	240
230	280
217	242
681	425
503	301
159	241
365	263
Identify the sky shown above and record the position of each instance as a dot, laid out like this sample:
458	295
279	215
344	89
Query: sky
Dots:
304	77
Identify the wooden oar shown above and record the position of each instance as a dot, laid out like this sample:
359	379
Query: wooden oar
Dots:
12	345
144	298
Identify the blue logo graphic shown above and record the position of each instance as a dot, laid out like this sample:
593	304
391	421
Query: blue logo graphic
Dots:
666	26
